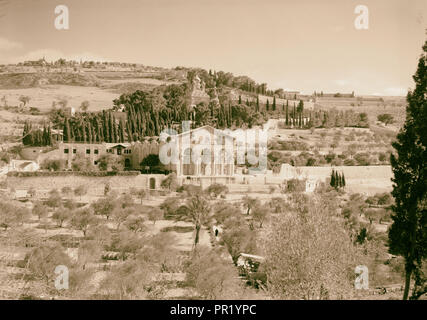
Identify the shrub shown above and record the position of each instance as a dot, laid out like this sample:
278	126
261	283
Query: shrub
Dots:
53	165
349	162
363	159
82	164
217	189
189	188
386	118
295	185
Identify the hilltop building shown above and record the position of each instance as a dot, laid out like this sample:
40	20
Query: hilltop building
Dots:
198	93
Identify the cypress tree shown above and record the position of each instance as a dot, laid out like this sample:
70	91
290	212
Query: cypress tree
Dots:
122	131
267	106
332	183
293	116
89	133
287	112
44	137
111	132
66	131
105	124
100	136
129	131
274	103
83	128
24	134
408	233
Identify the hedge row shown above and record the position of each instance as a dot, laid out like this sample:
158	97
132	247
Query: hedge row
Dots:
72	173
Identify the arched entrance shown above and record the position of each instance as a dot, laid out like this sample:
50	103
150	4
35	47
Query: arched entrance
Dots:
152	183
127	163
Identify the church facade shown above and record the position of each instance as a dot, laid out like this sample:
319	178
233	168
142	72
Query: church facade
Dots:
200	156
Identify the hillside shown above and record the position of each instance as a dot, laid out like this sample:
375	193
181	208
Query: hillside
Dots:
31	80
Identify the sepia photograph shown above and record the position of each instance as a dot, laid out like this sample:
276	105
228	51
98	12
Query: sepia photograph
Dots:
186	152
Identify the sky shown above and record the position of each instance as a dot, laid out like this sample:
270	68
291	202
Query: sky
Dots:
303	45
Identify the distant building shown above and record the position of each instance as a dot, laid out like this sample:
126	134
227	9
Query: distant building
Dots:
93	151
57	135
198	94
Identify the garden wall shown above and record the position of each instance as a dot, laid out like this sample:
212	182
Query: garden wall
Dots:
95	185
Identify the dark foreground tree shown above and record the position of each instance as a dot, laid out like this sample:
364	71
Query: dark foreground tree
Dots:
408	233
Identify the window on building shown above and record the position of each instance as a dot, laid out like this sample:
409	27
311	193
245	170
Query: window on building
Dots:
119	151
95	163
87	151
96	151
74	150
65	150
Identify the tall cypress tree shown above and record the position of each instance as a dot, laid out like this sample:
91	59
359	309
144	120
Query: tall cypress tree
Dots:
83	128
44	137
274	103
333	181
408	233
293	116
66	131
267	106
105	125
89	133
300	110
287	112
111	132
122	131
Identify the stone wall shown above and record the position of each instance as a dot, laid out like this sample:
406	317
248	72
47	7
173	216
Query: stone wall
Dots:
95	185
